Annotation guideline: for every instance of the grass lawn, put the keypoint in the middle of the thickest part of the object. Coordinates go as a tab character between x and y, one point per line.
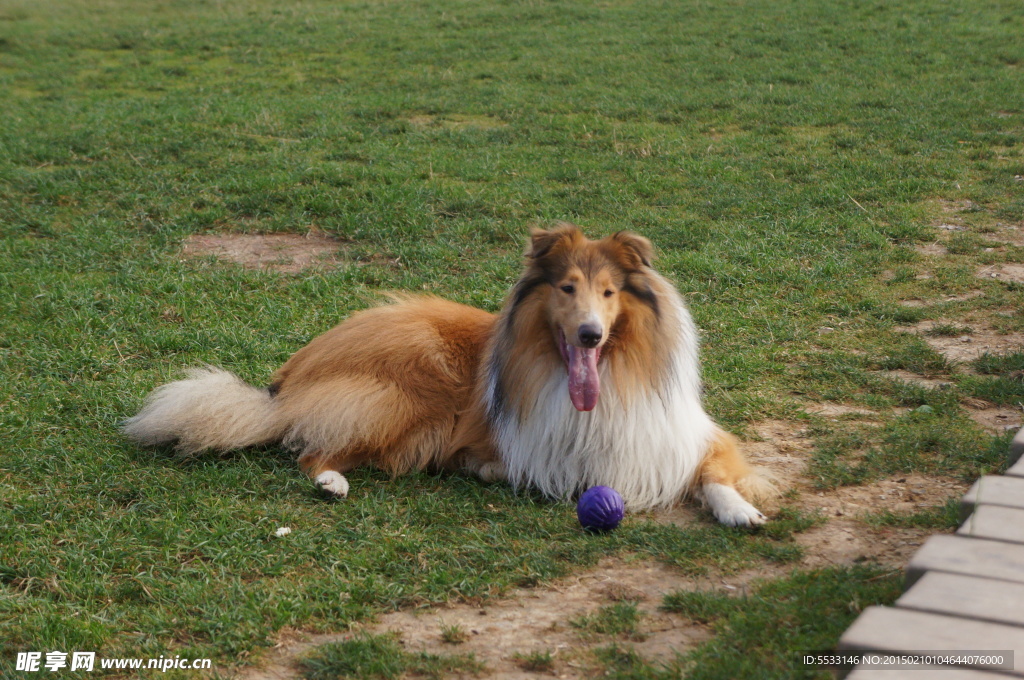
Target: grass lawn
792	160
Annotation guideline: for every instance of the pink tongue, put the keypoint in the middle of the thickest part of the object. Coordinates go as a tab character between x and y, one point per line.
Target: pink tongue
584	381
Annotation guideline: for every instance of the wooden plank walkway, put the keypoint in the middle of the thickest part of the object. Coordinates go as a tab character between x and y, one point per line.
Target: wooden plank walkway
965	592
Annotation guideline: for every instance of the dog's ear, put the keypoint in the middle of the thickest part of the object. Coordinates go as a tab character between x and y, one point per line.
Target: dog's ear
636	249
543	240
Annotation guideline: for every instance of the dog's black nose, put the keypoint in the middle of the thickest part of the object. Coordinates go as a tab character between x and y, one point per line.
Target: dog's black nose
589	335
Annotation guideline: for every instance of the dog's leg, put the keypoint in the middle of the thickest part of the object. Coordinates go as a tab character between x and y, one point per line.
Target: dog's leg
333	483
471	450
326	471
488	471
722	471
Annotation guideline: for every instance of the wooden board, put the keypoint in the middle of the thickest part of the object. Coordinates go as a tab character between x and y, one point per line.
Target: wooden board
965	592
969	556
887	629
995	522
967	597
1016	454
993	490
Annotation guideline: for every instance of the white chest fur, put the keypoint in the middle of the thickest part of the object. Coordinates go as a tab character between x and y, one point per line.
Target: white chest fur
648	450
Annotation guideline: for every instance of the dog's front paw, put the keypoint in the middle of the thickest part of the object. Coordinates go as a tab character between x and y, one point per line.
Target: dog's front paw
333	483
730	508
492	472
742	514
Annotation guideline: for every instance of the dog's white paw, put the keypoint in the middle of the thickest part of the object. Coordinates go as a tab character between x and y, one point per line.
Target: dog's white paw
745	515
730	508
333	483
492	472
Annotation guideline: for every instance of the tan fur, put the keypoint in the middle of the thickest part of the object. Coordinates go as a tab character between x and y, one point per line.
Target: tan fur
725	464
533	352
636	349
388	387
401	386
631	342
594	296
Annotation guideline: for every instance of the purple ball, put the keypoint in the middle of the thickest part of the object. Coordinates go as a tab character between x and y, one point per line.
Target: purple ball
600	508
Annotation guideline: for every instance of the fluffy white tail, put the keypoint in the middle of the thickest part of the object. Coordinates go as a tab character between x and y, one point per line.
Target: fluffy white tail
209	409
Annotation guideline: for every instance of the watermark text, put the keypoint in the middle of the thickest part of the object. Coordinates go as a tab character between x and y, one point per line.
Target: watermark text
54	662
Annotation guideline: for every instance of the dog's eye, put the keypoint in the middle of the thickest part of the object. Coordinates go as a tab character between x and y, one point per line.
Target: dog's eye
569	288
609	293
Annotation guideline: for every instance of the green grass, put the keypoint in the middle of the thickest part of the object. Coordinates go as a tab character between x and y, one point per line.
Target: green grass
948	330
541	661
1002	379
996	364
620	619
381	657
761	635
931	443
454	634
784	157
1002	390
945	516
622	662
915	355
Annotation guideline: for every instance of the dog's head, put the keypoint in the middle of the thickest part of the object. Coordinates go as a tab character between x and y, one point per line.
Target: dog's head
588	288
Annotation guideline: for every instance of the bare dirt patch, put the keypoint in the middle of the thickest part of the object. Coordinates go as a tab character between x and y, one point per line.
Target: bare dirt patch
288	253
963	348
949	218
919	302
915	379
969	345
781	451
533	620
956	206
835	411
931	249
1003	272
845	540
998	420
1009	234
537	620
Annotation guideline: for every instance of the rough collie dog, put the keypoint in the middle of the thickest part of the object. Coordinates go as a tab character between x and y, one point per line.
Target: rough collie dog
589	375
